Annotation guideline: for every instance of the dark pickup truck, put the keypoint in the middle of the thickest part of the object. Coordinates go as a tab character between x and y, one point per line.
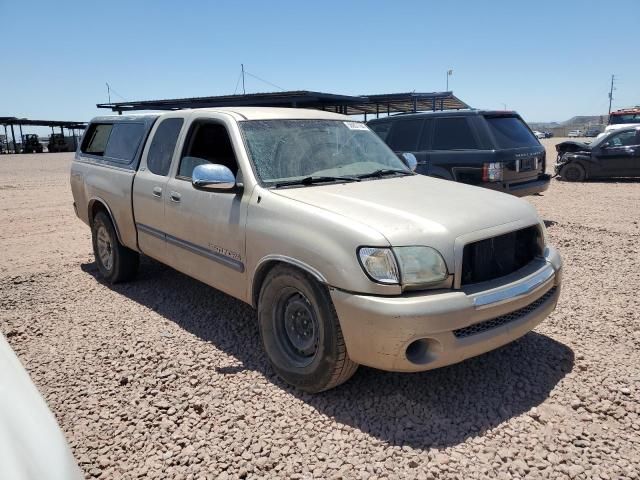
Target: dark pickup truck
492	149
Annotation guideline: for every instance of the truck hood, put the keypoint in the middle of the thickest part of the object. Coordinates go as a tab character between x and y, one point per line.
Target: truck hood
418	210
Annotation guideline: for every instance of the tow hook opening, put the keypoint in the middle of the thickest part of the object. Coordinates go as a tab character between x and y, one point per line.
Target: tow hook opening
423	350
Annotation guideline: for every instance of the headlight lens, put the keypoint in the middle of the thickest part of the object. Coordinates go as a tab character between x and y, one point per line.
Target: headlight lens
406	265
420	265
380	264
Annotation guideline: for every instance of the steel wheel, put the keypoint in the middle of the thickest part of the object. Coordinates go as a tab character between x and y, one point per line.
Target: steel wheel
105	248
297	327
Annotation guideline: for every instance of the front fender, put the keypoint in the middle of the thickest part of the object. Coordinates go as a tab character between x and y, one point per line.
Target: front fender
572	158
318	241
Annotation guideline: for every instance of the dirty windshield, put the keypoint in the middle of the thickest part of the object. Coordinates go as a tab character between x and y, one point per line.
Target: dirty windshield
286	151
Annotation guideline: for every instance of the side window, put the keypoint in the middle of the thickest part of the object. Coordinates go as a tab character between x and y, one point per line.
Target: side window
163	145
124	141
453	134
624	139
95	141
404	135
381	129
207	142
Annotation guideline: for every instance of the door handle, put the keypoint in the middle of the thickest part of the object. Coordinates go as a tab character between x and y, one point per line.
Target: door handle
157	191
175	197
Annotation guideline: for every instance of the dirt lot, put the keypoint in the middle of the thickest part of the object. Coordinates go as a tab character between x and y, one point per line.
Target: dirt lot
165	377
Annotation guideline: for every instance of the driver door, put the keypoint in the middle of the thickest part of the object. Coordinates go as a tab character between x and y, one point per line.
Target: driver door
205	229
616	157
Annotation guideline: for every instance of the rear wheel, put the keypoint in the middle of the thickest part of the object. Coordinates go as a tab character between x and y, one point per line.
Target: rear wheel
573	172
116	262
301	332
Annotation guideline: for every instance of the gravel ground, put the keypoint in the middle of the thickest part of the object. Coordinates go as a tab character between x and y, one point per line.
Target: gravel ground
166	378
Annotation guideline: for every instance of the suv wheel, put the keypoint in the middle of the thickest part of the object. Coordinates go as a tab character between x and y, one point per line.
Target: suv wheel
301	332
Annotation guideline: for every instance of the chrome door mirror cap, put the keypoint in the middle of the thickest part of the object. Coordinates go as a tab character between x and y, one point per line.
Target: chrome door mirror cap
410	160
211	176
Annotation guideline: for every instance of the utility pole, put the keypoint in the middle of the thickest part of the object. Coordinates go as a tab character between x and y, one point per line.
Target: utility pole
108	92
243	90
613	77
449	73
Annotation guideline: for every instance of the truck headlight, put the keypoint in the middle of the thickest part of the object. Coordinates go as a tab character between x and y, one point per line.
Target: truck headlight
408	266
379	264
420	265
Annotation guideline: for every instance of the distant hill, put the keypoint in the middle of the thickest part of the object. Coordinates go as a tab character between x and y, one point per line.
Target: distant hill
579	122
586	120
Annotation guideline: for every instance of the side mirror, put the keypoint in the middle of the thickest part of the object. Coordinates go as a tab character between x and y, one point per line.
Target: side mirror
211	176
410	160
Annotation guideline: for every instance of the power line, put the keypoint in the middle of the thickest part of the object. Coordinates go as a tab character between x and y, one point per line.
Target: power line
110	90
237	83
264	81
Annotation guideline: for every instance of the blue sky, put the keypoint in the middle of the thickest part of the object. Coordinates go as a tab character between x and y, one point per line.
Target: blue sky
549	60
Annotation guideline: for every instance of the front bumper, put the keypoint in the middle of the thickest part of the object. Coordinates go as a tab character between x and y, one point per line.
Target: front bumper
422	331
522	189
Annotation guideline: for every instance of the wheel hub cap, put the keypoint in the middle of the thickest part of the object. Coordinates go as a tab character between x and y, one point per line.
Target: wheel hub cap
105	248
300	325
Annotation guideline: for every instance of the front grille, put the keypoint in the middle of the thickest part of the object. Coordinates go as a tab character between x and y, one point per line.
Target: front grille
499	256
503	319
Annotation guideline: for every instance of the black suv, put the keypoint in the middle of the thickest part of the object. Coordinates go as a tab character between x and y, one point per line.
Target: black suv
493	149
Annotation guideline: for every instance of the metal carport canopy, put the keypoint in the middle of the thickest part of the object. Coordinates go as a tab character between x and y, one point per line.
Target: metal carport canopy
346	104
42	123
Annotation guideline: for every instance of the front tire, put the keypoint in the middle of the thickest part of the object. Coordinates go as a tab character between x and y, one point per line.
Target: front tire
301	332
115	262
573	172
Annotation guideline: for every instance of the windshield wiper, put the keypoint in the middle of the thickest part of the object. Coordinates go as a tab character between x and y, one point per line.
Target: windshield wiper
383	172
316	179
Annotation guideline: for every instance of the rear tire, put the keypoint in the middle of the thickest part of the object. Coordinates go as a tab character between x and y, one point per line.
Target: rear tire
115	262
301	332
573	172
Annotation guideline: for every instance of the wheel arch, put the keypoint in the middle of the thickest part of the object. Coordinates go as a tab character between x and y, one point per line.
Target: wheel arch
96	205
583	163
268	263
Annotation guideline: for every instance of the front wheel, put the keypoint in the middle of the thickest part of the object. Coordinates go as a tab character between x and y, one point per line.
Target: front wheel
116	262
301	332
573	172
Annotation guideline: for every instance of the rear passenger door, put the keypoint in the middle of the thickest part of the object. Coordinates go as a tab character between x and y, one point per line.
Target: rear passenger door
454	146
150	188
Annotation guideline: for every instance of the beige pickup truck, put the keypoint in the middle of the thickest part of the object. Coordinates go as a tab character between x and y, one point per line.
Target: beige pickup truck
348	256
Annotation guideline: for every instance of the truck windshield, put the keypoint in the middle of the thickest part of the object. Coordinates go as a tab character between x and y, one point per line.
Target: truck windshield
511	132
284	151
624	118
